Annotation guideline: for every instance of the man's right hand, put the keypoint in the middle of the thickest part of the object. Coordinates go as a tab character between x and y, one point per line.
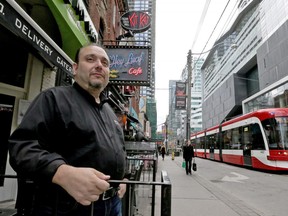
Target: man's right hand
85	185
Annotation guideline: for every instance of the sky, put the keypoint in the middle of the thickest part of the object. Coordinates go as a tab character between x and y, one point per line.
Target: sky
176	25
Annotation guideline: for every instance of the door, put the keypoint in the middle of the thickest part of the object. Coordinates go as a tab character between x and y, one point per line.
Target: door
6	115
247	145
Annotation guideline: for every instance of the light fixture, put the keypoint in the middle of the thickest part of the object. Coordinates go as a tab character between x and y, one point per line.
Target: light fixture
126	35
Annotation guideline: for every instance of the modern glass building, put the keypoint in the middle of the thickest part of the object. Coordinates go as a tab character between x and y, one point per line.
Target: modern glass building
196	95
247	70
174	118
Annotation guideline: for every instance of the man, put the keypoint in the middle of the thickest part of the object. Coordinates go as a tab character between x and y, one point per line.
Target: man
163	151
188	154
70	144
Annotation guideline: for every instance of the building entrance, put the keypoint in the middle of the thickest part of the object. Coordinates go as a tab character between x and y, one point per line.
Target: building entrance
6	115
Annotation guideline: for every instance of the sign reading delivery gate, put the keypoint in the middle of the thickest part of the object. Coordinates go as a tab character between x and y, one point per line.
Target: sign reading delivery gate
15	22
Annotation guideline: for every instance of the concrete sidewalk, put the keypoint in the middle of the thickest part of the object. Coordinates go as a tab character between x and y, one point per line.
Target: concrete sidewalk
196	196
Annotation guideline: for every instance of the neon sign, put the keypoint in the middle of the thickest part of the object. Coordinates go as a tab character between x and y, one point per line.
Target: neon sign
129	65
136	21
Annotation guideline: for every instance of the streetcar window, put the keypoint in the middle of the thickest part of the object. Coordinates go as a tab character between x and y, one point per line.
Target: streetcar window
247	141
281	131
202	143
256	137
276	132
226	139
236	138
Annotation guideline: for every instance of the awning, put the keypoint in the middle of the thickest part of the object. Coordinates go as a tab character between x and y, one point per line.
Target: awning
72	34
76	30
133	113
14	18
132	120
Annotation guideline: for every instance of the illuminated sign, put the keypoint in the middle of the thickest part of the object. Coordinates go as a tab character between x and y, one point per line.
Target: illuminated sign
135	21
130	65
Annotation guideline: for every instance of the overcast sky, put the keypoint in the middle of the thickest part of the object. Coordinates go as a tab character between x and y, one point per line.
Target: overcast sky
176	25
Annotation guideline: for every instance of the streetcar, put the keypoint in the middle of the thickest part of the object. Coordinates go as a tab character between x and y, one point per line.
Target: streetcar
258	139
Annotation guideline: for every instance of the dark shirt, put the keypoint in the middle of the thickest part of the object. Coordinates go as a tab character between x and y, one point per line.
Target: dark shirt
66	125
163	150
188	152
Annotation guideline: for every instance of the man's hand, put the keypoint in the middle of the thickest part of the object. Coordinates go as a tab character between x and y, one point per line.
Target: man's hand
84	184
122	190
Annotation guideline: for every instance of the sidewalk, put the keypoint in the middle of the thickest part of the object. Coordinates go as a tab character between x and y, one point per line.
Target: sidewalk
193	195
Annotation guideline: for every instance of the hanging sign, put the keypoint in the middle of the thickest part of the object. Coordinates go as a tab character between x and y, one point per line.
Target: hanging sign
135	21
180	96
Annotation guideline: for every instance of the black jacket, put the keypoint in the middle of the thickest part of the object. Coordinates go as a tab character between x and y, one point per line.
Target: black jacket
188	152
66	125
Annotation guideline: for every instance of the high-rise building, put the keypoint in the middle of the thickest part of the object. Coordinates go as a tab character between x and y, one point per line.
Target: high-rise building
147	38
247	68
174	118
196	95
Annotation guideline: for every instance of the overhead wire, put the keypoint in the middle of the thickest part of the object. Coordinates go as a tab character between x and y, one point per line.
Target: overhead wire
200	24
206	6
215	26
229	19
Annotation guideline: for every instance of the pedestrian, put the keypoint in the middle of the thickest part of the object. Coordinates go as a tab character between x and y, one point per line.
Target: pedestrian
70	143
188	154
163	151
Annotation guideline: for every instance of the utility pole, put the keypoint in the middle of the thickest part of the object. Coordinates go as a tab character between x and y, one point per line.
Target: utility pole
188	110
166	137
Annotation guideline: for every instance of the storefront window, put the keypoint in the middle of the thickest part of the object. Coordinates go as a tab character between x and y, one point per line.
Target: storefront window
277	97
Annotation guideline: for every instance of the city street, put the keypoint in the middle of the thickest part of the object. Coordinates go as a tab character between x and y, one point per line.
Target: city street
223	189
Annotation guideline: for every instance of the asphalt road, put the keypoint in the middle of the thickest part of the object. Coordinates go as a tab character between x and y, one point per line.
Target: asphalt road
266	192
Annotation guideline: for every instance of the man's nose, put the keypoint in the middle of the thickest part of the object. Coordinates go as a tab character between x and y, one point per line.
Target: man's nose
98	63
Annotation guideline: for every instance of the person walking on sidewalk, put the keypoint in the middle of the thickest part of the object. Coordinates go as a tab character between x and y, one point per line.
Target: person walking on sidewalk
188	154
70	144
163	151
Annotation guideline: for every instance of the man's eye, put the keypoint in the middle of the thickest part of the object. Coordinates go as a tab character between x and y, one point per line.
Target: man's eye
90	59
105	63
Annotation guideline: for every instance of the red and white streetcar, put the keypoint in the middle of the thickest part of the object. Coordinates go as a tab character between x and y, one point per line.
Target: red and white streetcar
258	139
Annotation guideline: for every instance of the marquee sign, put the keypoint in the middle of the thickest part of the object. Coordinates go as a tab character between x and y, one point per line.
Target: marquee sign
130	65
135	21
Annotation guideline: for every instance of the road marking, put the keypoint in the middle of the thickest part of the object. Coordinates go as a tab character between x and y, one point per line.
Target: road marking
236	178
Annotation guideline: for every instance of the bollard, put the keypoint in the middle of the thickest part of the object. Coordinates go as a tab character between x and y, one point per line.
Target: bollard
172	155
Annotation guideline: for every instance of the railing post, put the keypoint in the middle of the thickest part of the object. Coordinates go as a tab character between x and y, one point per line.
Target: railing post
153	187
166	192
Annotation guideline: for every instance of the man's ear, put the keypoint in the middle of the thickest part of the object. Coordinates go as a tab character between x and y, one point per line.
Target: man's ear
75	68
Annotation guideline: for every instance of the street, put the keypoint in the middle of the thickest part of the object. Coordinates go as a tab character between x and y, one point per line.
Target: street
265	192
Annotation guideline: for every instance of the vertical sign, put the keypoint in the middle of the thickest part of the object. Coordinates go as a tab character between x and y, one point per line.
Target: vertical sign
180	96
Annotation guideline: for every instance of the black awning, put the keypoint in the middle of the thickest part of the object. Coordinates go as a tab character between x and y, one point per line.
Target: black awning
132	119
15	19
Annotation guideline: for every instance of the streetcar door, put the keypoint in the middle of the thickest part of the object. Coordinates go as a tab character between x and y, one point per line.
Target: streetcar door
247	161
247	145
211	145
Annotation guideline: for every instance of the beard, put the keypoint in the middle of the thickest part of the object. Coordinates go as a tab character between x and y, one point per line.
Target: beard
95	85
98	84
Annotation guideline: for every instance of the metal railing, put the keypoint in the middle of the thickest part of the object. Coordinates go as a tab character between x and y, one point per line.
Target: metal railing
165	199
129	198
143	163
140	197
